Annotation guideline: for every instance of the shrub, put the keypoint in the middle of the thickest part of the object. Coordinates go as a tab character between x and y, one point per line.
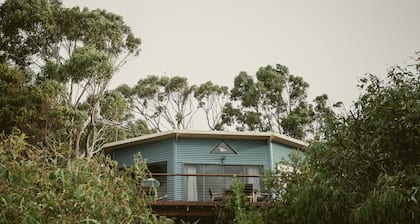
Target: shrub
38	185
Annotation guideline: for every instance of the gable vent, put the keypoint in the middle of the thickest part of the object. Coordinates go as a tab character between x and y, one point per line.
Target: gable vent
223	148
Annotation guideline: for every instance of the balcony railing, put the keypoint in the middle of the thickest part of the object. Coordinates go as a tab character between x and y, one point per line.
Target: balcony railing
203	175
210	186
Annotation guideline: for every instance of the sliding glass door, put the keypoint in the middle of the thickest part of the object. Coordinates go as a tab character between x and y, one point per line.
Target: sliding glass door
197	188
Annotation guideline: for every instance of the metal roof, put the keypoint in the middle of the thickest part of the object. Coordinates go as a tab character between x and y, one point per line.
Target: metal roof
269	136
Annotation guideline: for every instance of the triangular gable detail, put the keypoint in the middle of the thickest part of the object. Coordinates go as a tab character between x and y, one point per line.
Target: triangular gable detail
223	148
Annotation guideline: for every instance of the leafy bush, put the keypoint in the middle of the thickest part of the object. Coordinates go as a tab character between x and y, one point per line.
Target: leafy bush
237	208
39	185
367	168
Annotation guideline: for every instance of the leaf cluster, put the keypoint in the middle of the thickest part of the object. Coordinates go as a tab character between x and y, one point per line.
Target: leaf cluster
39	186
276	101
366	170
36	108
67	57
237	208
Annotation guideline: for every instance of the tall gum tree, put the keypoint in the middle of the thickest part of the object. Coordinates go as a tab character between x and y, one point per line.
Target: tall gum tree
79	48
275	101
165	102
212	99
365	169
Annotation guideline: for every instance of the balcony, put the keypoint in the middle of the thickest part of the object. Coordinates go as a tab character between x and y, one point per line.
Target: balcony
210	200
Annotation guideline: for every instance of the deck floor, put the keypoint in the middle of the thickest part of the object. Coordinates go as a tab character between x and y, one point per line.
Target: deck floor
185	208
190	208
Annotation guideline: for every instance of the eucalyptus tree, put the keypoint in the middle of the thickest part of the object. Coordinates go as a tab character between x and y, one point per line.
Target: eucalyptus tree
212	99
33	108
165	102
366	168
79	48
275	101
116	112
244	111
323	116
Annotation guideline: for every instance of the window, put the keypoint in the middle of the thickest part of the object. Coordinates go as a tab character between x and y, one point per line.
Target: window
160	167
196	188
223	148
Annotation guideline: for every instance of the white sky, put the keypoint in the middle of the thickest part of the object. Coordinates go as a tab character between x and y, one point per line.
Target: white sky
330	43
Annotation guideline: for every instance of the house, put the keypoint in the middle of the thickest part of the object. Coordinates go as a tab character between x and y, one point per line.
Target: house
192	165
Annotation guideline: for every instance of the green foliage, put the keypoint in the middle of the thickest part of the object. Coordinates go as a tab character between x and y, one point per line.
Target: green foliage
116	113
25	27
37	186
323	116
39	28
212	98
164	102
276	181
366	168
297	121
237	208
306	198
395	199
75	51
35	108
114	106
87	63
137	128
381	136
195	222
276	101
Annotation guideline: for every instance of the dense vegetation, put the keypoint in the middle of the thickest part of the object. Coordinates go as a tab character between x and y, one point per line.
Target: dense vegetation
37	185
366	169
56	112
56	64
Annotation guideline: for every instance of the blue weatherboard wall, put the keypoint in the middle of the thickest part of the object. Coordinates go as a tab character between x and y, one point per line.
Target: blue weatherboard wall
280	152
198	151
152	152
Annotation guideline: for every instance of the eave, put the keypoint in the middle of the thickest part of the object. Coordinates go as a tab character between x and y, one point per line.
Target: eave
268	136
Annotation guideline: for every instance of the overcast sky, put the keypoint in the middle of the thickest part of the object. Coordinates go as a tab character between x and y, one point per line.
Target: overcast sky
331	44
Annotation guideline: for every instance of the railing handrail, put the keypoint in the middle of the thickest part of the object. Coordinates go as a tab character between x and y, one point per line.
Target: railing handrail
203	175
